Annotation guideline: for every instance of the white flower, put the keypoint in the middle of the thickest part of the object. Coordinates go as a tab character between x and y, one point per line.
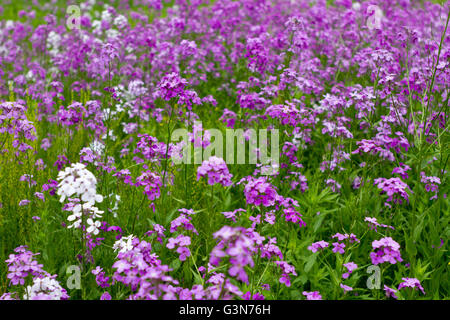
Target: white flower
112	34
53	43
97	147
45	288
356	6
30	75
87	5
116	204
120	21
111	135
93	226
124	244
77	180
97	27
89	211
106	16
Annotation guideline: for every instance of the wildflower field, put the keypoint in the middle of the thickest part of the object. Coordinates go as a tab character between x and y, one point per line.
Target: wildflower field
218	149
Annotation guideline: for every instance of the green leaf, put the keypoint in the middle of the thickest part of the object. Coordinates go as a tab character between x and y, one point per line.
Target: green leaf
319	221
410	246
175	264
310	261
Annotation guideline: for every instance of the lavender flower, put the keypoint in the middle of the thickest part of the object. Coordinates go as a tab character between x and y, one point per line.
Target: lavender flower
386	250
316	246
314	295
216	170
411	283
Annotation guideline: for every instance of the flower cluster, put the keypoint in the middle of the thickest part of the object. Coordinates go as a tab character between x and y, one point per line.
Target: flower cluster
394	188
77	181
235	245
24	269
216	170
411	283
374	224
286	270
316	246
386	250
183	221
181	242
152	184
431	184
314	295
45	289
14	122
350	266
258	191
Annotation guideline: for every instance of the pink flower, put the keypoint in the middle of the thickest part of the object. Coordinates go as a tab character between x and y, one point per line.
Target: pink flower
338	247
216	170
390	292
314	247
345	287
314	295
386	250
259	191
24	202
411	283
351	266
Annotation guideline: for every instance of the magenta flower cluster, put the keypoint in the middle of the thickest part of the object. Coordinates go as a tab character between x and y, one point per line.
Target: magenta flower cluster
385	250
216	170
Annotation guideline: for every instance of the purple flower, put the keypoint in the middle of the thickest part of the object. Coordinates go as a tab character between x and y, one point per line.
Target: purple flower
287	269
393	187
373	224
170	86
105	296
40	195
256	296
402	170
24	202
235	245
259	191
232	214
181	242
411	283
431	184
334	185
159	230
228	117
152	184
340	237
386	250
351	266
338	247
22	265
390	292
356	183
100	277
182	221
314	295
293	216
216	170
345	287
314	247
